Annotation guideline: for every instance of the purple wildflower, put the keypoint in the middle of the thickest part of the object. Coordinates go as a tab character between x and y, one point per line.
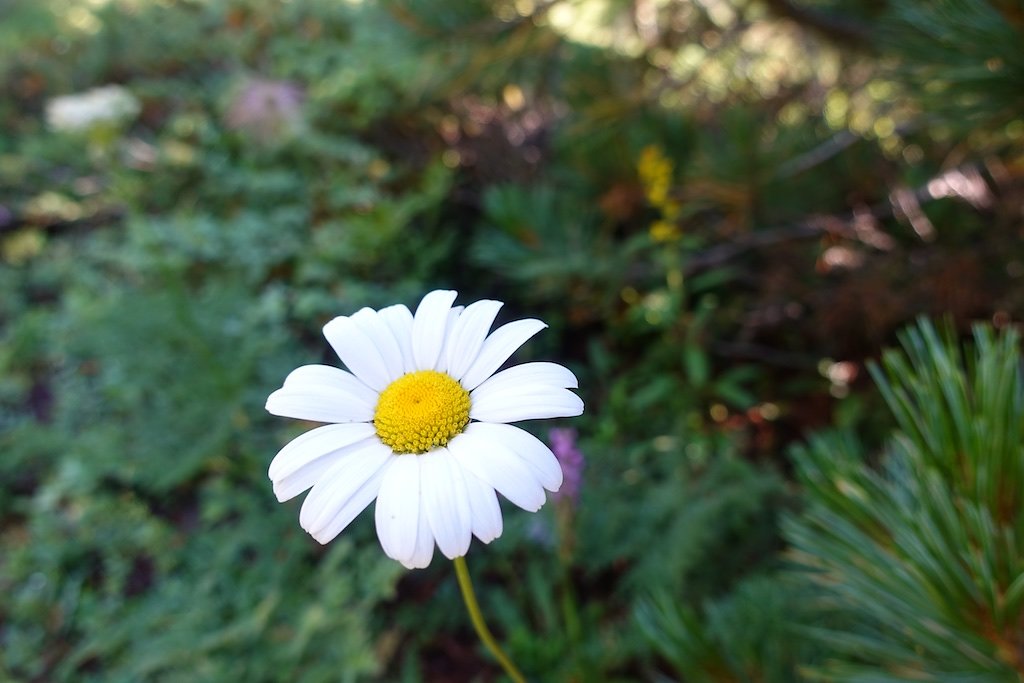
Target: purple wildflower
268	110
563	445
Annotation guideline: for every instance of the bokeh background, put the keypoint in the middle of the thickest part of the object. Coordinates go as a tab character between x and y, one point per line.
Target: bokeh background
722	208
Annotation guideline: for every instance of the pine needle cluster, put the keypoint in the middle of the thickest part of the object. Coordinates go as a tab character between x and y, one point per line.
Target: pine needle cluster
919	562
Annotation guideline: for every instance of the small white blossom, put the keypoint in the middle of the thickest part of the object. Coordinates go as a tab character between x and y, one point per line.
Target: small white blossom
80	112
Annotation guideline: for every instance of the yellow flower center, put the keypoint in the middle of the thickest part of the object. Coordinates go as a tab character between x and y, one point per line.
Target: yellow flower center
421	411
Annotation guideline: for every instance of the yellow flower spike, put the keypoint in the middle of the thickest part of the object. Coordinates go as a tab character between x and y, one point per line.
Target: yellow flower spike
655	171
663	231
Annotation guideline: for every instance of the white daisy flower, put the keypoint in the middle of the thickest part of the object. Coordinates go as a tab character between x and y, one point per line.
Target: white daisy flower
420	423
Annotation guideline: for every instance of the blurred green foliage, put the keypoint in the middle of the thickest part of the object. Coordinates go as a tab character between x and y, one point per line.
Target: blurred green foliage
722	209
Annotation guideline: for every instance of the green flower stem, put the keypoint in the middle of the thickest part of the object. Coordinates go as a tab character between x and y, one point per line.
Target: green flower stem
466	586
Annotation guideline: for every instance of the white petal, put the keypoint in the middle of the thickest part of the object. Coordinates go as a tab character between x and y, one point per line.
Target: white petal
445	502
294	484
398	508
344	491
358	352
424	550
467	335
497	466
529	448
319	403
298	465
379	332
484	508
328	376
497	348
399	319
550	374
429	326
530	402
442	357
